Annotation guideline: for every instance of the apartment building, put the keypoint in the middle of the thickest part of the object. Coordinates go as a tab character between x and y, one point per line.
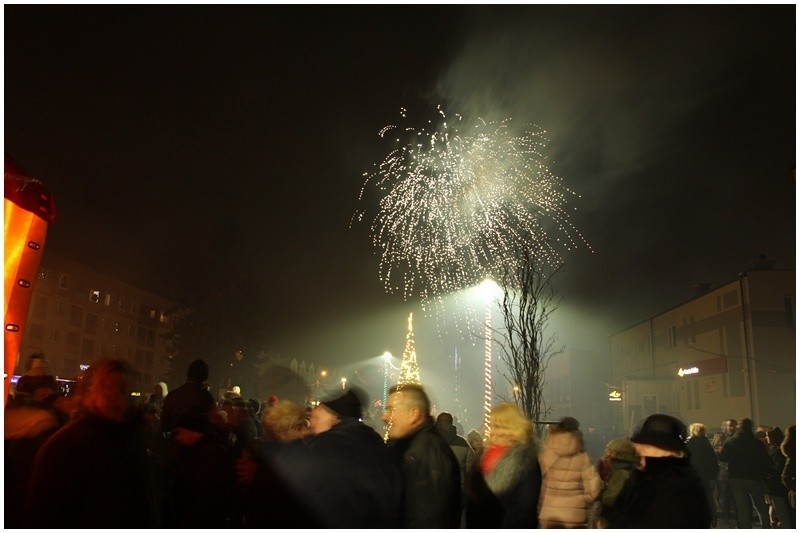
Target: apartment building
729	352
77	313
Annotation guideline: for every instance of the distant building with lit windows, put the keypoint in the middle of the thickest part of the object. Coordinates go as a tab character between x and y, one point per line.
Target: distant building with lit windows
77	313
729	352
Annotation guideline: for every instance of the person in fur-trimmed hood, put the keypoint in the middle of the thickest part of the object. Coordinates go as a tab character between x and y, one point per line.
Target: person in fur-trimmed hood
503	487
570	481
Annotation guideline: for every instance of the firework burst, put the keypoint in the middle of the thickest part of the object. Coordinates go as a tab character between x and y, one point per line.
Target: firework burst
456	206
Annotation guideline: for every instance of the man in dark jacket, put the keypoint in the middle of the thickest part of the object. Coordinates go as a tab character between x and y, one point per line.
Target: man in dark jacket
461	449
432	482
192	396
748	466
344	475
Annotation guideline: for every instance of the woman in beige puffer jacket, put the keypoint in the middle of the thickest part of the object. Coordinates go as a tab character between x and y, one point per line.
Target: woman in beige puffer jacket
570	481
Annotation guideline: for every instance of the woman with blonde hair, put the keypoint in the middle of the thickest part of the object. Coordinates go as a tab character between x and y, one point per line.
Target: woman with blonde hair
503	487
570	482
284	422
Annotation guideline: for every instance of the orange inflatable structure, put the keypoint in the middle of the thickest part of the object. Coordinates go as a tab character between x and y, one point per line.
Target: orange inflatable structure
28	208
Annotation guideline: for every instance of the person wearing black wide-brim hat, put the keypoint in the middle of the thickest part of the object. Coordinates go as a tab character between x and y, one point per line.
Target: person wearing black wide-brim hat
664	491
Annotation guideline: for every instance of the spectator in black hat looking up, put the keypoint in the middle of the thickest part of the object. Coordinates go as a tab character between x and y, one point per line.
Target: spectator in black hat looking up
664	491
343	474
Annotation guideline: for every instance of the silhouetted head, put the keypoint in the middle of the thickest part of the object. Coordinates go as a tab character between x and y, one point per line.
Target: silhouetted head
197	371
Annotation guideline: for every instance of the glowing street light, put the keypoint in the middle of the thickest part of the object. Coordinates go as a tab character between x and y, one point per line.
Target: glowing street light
344	383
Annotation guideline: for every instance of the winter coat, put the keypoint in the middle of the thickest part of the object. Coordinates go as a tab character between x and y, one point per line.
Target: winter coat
620	472
702	458
432	483
95	473
746	456
773	484
191	396
345	477
26	429
508	495
461	448
203	486
668	494
570	481
788	474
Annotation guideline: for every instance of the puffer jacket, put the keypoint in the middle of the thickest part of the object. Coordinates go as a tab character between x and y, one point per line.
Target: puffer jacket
570	481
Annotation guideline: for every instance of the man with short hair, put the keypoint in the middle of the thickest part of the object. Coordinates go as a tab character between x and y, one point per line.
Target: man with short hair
748	464
191	396
432	481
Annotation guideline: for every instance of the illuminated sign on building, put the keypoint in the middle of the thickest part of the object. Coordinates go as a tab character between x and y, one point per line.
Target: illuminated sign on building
615	395
706	367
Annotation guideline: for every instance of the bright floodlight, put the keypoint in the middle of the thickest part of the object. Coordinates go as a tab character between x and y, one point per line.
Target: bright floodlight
489	288
387	356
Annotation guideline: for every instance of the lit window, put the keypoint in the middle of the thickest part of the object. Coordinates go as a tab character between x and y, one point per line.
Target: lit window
94	296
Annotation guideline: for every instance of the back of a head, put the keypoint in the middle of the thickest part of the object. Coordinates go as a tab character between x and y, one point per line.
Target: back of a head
775	436
445	419
697	429
744	425
622	449
474	438
108	384
568	423
508	418
197	371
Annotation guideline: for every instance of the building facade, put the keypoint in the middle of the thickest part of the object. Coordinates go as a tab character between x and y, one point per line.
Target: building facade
726	353
77	314
576	385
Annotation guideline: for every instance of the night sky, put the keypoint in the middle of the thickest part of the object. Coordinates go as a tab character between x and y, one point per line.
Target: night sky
151	124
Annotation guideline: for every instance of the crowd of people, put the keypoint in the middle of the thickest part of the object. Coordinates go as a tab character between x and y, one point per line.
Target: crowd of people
183	459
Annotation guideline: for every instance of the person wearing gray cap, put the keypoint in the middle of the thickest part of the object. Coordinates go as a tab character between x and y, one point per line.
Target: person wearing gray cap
664	491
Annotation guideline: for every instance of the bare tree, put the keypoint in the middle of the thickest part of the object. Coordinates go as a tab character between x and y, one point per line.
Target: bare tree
525	347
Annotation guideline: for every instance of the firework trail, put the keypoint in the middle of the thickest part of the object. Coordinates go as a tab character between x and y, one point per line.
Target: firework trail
456	206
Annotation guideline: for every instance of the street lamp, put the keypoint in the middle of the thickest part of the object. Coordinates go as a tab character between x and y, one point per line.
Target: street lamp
344	382
515	389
